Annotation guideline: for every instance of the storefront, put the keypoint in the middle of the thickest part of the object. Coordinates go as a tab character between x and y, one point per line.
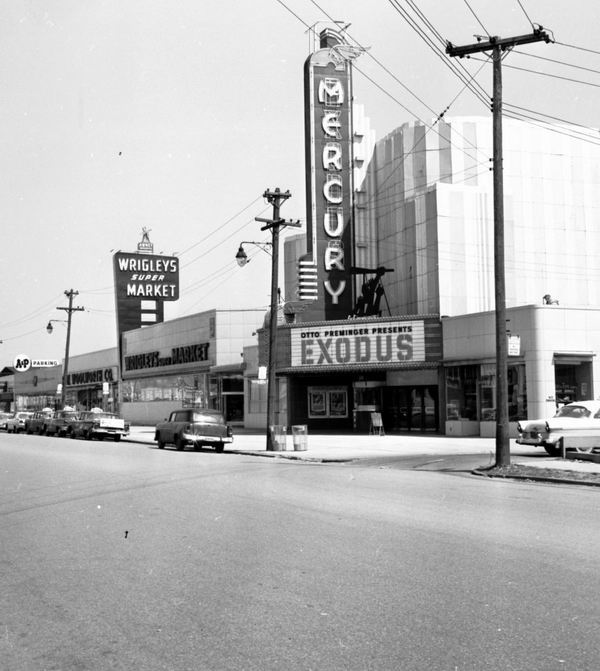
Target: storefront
552	359
192	361
93	380
339	373
37	388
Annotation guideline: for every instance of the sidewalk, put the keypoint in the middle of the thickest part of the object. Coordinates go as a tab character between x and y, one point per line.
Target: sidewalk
328	448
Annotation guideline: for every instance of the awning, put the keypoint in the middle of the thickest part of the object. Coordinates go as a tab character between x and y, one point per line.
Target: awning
357	368
572	358
237	368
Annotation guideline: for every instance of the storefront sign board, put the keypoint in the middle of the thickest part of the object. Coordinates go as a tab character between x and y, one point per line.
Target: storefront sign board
381	342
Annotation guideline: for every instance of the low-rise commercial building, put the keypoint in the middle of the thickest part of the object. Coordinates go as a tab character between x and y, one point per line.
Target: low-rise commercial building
191	361
553	359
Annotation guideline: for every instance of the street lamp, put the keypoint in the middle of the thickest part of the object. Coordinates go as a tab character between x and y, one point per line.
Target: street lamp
242	258
49	328
275	198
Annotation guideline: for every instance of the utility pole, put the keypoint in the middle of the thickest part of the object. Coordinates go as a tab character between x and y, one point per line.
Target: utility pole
497	46
275	198
69	310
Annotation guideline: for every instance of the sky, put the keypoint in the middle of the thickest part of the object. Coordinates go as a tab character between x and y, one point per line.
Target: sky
177	116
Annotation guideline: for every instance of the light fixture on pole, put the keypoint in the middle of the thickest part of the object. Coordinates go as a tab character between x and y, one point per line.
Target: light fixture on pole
50	328
242	258
275	198
69	310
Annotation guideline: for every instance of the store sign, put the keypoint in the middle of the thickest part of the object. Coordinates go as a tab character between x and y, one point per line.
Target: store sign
143	283
91	377
178	355
146	276
358	345
324	272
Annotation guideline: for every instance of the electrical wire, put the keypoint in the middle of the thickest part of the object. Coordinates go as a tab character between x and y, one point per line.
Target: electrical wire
485	30
546	74
237	214
526	15
592	131
573	46
552	60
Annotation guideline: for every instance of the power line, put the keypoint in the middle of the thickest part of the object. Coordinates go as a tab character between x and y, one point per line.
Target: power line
485	30
561	120
526	15
573	46
237	214
552	60
237	230
546	74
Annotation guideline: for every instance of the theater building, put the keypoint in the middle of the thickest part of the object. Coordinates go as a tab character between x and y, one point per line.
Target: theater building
340	372
410	239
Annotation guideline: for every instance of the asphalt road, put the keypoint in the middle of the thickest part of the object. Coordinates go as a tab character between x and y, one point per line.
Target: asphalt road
121	556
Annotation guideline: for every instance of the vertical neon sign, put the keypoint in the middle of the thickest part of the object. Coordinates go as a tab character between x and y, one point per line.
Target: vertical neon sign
324	272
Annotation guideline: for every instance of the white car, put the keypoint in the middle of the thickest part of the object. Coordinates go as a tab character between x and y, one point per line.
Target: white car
578	418
16	423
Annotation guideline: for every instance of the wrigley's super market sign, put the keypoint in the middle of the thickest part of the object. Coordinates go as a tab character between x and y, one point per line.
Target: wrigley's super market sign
344	344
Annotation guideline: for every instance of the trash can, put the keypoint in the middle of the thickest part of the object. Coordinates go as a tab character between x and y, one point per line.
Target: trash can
300	437
278	437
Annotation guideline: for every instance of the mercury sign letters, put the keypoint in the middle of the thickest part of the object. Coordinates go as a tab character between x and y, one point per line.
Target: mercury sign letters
325	278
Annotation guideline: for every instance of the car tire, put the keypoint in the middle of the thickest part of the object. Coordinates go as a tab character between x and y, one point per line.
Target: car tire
554	450
116	438
220	447
179	444
161	444
88	435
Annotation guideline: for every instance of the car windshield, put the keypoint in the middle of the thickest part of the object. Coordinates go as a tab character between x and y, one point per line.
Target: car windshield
207	418
101	415
575	411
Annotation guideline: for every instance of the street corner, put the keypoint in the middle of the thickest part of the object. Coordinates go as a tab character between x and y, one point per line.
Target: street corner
547	472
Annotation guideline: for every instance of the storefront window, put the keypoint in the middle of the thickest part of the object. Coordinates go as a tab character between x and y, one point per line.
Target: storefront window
232	383
461	392
257	396
190	390
471	392
326	402
487	393
517	392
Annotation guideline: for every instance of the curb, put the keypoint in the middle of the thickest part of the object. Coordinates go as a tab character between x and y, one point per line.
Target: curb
293	457
536	478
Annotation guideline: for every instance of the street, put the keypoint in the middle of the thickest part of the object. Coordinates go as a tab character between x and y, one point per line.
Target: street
123	556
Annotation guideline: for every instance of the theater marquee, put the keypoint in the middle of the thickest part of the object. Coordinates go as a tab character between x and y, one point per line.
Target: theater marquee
364	344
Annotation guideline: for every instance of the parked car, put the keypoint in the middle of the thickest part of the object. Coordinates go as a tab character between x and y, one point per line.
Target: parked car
60	424
16	423
99	424
38	422
194	427
3	417
576	416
